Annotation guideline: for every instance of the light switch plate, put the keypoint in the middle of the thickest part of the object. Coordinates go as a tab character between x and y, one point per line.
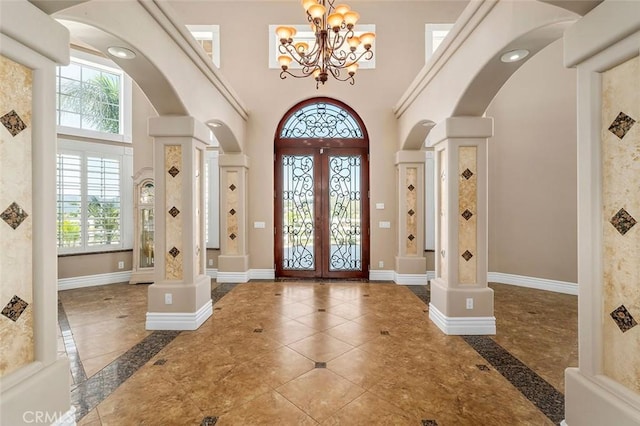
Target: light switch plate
379	206
258	225
384	224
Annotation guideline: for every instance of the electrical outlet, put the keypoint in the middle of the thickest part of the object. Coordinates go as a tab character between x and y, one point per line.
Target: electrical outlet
121	265
210	262
469	303
381	264
168	299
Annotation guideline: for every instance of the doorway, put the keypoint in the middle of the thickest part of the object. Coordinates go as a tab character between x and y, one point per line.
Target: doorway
321	192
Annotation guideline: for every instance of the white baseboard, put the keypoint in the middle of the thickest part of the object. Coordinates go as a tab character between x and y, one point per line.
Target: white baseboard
66	419
563	423
94	280
212	272
431	275
532	282
410	279
459	326
262	274
232	277
179	320
381	275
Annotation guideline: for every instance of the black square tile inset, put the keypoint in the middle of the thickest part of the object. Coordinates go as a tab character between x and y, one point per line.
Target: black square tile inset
233	236
232	187
429	423
278	294
174	252
411	187
232	212
411	212
160	362
257	330
209	421
217	309
623	318
12	122
622	221
174	211
483	367
467	174
467	214
122	316
173	171
621	125
322	310
14	308
321	365
14	215
384	332
365	295
467	255
411	237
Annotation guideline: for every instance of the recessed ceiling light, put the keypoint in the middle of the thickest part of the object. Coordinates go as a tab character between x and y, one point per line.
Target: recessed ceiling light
514	55
121	52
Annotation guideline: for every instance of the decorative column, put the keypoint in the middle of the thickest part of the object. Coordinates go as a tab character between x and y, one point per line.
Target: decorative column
411	265
461	301
605	388
233	262
180	297
35	385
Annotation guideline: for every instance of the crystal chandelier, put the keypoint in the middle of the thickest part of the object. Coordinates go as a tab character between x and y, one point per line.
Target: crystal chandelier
334	49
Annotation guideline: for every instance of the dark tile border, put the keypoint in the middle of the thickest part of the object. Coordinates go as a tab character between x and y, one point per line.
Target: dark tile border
537	390
75	364
422	292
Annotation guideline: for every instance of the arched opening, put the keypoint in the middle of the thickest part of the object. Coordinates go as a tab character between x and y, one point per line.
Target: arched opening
321	192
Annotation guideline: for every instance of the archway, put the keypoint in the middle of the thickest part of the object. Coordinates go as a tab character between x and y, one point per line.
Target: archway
321	192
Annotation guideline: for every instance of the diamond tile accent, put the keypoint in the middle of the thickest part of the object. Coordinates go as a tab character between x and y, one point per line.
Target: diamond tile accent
14	215
467	214
160	362
622	221
621	125
233	236
173	171
467	174
209	421
14	308
174	252
384	332
467	255
429	423
411	212
321	365
622	317
257	330
174	211
411	187
232	187
411	237
483	367
232	212
13	122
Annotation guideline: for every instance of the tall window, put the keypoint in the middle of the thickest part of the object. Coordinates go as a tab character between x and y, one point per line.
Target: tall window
90	198
93	99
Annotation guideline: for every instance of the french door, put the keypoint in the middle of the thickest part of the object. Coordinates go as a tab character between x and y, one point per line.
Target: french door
322	212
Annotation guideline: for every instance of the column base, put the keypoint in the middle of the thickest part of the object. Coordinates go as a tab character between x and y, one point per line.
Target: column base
233	269
42	397
190	305
410	270
462	310
589	403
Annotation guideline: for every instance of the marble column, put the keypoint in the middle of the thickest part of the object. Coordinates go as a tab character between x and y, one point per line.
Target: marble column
411	265
35	382
233	262
461	301
180	297
605	388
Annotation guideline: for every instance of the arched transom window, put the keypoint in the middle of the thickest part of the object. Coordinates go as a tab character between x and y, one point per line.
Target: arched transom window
321	120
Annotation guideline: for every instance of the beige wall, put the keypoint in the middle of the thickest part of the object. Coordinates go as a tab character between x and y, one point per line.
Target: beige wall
244	65
532	171
142	142
92	264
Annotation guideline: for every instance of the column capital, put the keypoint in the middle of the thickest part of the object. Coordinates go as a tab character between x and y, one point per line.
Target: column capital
460	127
233	160
179	126
410	156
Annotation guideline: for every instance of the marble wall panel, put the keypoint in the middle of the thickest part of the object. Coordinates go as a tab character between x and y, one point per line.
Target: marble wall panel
16	212
233	193
411	209
442	202
467	217
621	214
174	222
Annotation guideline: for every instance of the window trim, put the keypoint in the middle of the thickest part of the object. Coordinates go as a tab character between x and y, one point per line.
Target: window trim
215	39
125	156
429	30
126	125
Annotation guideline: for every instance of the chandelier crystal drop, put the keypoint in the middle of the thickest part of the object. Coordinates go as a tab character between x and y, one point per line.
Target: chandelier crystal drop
334	49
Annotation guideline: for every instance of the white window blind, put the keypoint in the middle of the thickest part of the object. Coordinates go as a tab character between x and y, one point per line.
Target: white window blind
103	201
69	206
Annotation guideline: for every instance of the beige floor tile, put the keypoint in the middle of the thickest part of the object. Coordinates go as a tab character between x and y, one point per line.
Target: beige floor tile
320	347
368	410
268	409
321	320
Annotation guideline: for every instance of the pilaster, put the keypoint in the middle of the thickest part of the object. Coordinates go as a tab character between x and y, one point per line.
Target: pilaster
180	297
233	262
461	301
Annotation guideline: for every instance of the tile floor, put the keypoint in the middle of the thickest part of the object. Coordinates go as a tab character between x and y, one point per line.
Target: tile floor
298	353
